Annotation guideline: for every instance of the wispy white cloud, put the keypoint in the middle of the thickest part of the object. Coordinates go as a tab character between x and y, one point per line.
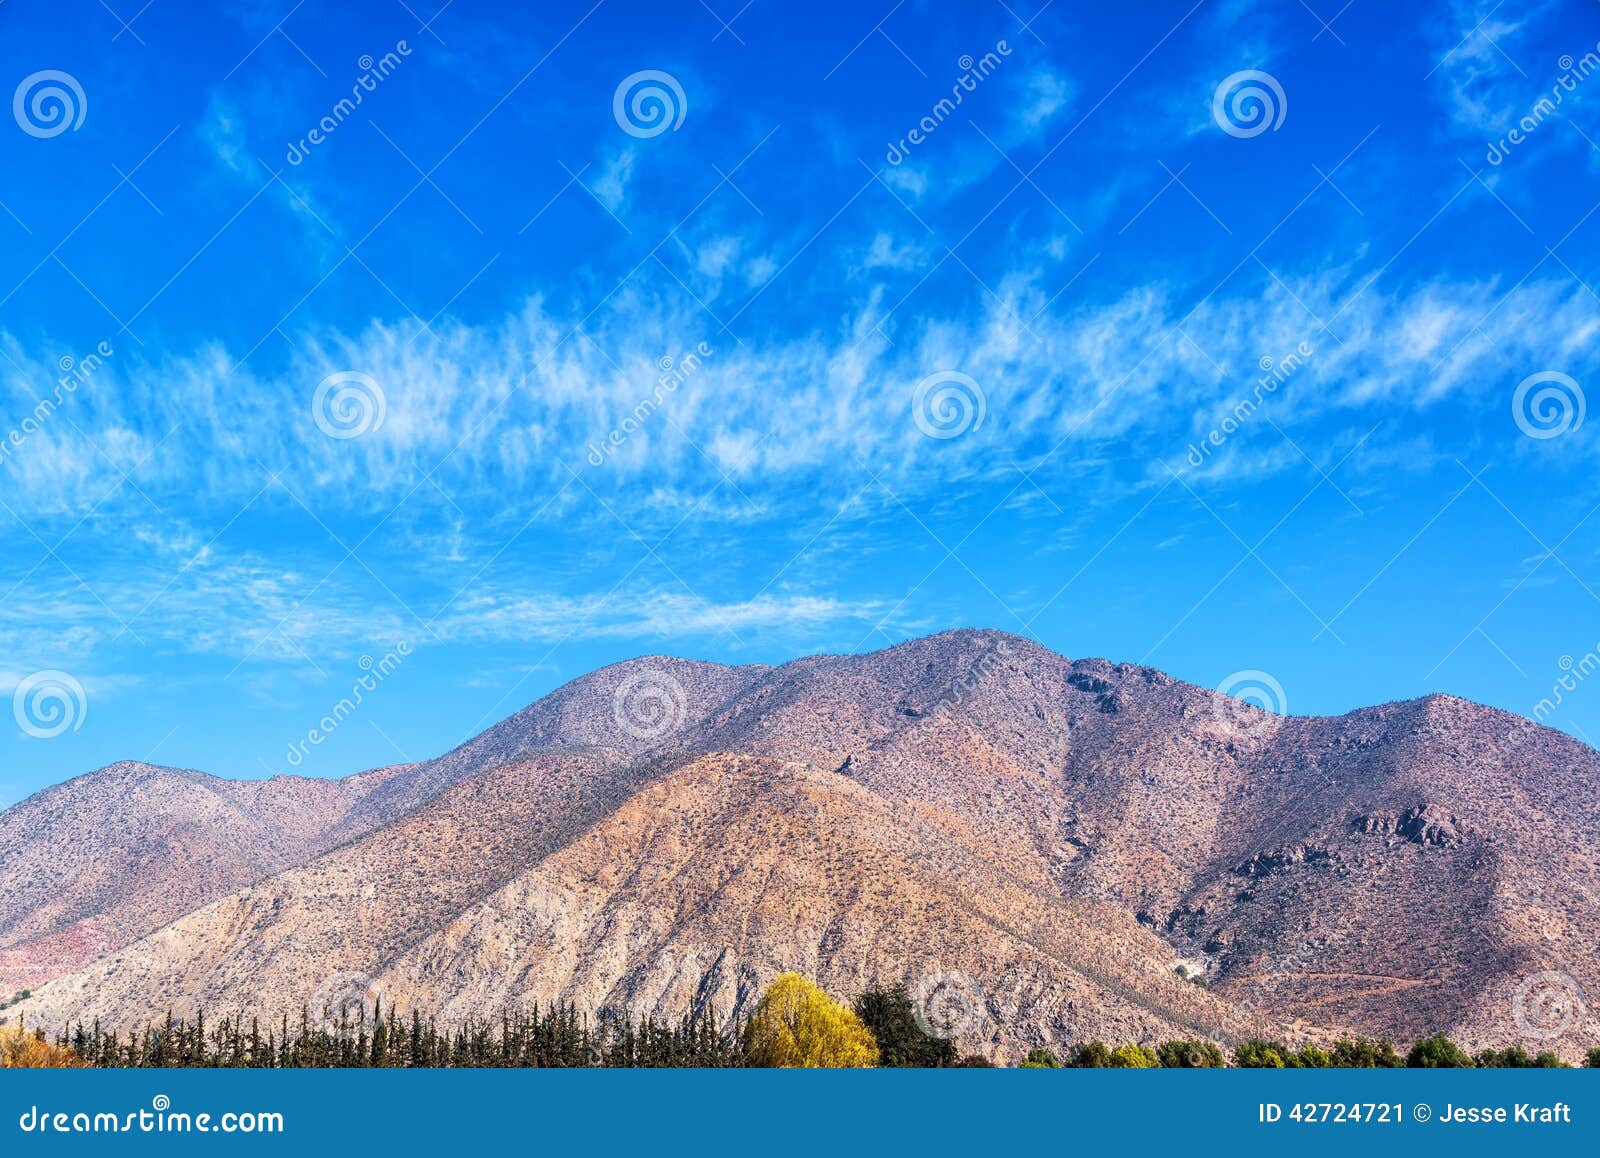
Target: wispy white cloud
483	411
611	186
1478	77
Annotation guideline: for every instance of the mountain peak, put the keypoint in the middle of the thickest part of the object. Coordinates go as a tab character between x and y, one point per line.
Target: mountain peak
667	831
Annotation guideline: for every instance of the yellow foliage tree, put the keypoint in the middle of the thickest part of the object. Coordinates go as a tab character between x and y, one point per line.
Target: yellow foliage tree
797	1024
22	1050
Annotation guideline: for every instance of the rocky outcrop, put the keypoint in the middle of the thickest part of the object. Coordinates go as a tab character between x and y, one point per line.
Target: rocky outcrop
1264	863
1425	824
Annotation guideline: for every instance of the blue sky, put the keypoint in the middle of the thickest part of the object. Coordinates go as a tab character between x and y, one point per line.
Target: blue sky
505	374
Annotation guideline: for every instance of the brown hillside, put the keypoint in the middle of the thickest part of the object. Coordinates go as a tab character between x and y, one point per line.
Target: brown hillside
1055	835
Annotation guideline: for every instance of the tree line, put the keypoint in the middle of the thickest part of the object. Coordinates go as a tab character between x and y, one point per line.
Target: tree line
795	1024
1437	1052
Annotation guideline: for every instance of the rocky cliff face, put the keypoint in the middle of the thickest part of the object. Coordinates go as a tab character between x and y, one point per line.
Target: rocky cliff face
969	814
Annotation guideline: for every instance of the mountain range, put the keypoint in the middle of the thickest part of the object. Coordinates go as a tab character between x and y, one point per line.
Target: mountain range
1042	850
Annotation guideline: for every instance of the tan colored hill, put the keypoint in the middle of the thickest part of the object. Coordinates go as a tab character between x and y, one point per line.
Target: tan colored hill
97	862
970	813
89	865
733	869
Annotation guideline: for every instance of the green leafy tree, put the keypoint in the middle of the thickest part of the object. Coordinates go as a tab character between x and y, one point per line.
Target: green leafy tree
1134	1057
1593	1059
1366	1053
1437	1053
901	1041
1516	1058
1039	1059
1312	1058
1091	1055
1190	1055
1257	1054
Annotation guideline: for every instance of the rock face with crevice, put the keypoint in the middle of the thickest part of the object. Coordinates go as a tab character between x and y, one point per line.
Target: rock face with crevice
965	805
1426	824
